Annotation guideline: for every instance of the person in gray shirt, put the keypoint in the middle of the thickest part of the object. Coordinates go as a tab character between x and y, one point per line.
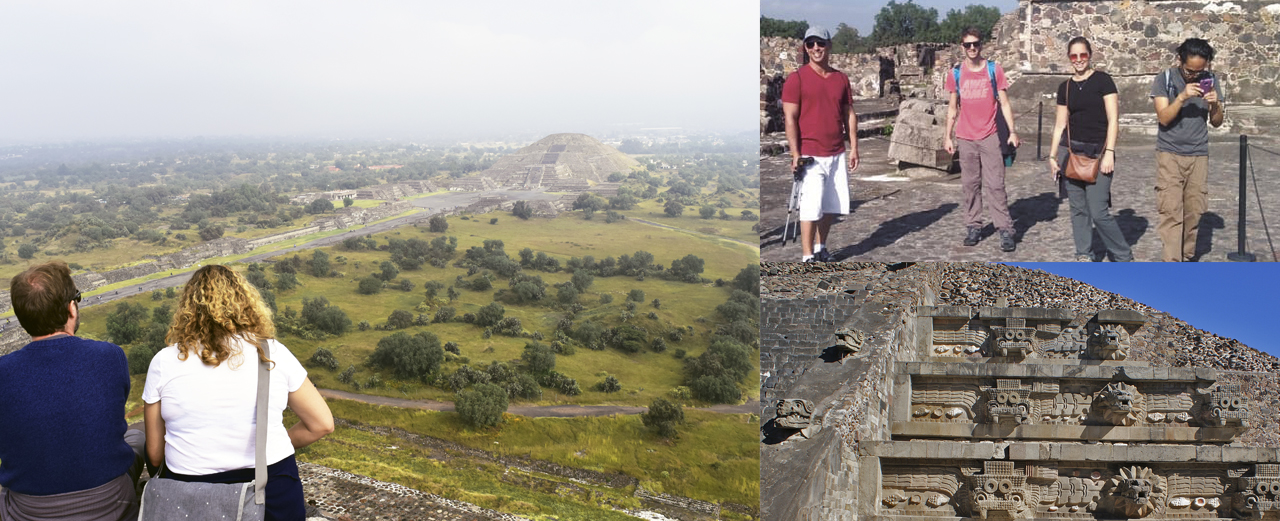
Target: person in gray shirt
1188	98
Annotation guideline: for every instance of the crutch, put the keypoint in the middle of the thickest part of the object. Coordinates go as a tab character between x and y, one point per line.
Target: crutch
793	203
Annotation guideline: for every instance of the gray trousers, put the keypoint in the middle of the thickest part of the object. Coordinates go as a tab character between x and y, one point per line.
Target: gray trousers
1091	208
115	500
982	180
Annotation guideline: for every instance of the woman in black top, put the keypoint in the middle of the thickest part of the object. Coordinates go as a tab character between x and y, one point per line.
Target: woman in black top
1092	108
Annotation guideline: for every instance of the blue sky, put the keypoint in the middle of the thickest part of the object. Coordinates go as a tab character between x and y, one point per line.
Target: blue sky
1236	300
860	15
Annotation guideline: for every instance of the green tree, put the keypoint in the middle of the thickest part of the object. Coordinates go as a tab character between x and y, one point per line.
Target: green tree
847	40
323	358
636	295
490	314
784	28
905	22
663	416
26	251
673	208
482	405
320	264
610	384
347	202
439	224
320	206
444	314
707	212
125	324
389	271
286	281
211	232
982	17
582	280
522	210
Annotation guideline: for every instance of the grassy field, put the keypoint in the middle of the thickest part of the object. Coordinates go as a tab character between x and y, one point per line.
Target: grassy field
644	376
714	458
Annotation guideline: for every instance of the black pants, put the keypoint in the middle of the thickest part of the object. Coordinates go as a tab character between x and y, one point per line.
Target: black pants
284	488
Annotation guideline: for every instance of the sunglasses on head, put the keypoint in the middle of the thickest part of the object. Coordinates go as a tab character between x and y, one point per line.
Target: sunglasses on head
971	45
1078	56
815	43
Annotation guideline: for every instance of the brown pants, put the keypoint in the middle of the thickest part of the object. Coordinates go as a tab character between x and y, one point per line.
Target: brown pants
982	180
1181	197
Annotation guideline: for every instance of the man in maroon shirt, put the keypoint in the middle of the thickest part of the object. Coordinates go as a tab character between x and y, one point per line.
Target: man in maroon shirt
818	104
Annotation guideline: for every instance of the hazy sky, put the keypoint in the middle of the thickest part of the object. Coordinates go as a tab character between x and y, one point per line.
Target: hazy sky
1235	300
89	69
860	14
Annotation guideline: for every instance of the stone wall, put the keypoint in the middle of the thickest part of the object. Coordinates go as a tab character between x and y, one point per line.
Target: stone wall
917	68
1135	40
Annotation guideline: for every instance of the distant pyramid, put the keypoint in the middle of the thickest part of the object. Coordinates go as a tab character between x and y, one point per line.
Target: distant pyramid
560	162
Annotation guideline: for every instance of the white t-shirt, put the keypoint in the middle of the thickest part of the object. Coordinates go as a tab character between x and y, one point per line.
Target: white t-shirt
210	412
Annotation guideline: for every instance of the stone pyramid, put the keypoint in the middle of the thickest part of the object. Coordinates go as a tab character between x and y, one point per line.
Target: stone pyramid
572	160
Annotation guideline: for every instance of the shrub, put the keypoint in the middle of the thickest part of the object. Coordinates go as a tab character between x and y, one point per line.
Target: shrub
444	314
125	324
369	285
324	316
522	210
606	298
409	357
405	285
323	358
525	387
636	295
509	326
482	405
490	314
658	345
628	338
663	416
493	220
452	347
538	358
400	319
157	295
610	384
707	212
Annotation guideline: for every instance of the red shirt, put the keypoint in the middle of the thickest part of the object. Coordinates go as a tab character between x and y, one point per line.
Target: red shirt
824	103
978	105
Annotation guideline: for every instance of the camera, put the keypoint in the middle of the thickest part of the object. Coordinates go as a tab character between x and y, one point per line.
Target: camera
804	162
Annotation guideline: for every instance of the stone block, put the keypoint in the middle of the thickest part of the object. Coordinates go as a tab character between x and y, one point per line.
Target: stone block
1024	451
1138	373
1206	373
1182	374
1072	452
1121	316
1028	313
1209	454
1239	454
1098	452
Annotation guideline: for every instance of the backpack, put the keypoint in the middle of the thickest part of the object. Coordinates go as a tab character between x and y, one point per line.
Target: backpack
1007	151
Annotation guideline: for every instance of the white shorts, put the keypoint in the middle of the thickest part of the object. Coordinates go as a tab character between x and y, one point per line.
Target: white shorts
825	189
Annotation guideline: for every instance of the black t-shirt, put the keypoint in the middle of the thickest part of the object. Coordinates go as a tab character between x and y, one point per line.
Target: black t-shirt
1088	114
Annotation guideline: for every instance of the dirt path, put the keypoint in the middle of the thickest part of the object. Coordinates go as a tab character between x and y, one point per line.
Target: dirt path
721	237
532	411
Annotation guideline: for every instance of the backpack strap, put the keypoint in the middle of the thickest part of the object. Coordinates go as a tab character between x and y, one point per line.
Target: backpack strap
956	72
991	74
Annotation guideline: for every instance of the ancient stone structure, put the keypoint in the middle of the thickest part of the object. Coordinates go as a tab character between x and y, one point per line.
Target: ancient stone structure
556	157
918	134
1135	40
1052	406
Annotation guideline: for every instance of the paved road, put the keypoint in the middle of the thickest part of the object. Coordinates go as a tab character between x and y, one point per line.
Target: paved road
899	218
533	411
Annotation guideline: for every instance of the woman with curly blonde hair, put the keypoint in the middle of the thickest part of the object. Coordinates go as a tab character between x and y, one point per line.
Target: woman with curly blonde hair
207	382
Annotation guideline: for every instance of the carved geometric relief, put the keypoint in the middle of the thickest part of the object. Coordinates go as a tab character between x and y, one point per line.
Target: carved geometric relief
1009	401
957	338
1258	496
926	491
943	402
1000	491
1070	343
1224	405
1195	494
1014	339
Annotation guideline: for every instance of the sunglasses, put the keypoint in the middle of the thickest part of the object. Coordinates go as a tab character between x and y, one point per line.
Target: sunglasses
1078	56
815	43
76	298
971	45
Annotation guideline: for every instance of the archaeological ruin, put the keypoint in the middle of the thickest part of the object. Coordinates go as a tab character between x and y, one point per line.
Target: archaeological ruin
556	163
1133	40
972	391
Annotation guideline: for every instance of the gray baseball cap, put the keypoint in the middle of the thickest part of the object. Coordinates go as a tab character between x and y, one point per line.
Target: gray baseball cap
817	31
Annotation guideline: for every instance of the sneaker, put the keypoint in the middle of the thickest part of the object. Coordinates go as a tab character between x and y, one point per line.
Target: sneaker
823	256
1006	241
971	239
1084	258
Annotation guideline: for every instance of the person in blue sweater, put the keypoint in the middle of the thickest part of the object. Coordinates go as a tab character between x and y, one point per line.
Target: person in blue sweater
63	447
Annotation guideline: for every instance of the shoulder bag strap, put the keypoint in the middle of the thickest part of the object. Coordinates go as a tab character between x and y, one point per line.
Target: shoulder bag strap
260	437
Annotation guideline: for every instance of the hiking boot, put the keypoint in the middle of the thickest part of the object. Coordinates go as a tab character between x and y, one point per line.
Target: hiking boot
1006	241
971	239
823	256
